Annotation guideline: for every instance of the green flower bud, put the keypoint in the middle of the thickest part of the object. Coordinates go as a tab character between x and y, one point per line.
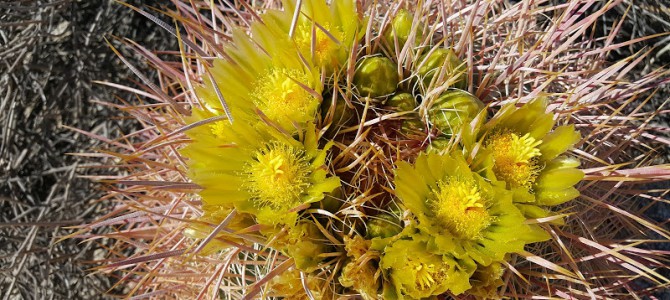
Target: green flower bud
405	102
383	226
402	102
437	145
376	76
401	27
442	58
453	109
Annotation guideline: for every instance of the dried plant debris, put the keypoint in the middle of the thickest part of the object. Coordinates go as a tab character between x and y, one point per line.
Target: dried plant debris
50	53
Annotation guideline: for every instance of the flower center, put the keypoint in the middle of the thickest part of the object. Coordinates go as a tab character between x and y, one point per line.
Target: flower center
277	176
218	129
427	275
515	158
325	48
282	99
461	208
424	276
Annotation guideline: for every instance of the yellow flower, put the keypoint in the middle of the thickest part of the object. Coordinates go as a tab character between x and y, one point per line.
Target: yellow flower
279	95
324	34
417	273
515	158
322	44
521	149
464	214
459	205
260	171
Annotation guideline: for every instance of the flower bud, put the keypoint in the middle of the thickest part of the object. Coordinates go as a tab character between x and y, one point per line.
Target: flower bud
401	28
438	145
331	202
376	76
432	64
453	109
402	102
383	226
405	102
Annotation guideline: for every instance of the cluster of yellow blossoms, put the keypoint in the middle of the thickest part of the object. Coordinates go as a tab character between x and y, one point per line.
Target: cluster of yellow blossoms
298	88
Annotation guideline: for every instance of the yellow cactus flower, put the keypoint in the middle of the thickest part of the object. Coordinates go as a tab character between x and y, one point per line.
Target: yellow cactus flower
260	171
282	99
522	150
461	207
464	214
324	34
322	44
264	73
417	273
515	158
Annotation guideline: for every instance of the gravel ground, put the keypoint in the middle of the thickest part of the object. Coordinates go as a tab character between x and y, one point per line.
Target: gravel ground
50	51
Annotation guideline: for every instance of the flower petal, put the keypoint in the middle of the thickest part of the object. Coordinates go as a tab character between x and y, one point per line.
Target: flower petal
558	141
